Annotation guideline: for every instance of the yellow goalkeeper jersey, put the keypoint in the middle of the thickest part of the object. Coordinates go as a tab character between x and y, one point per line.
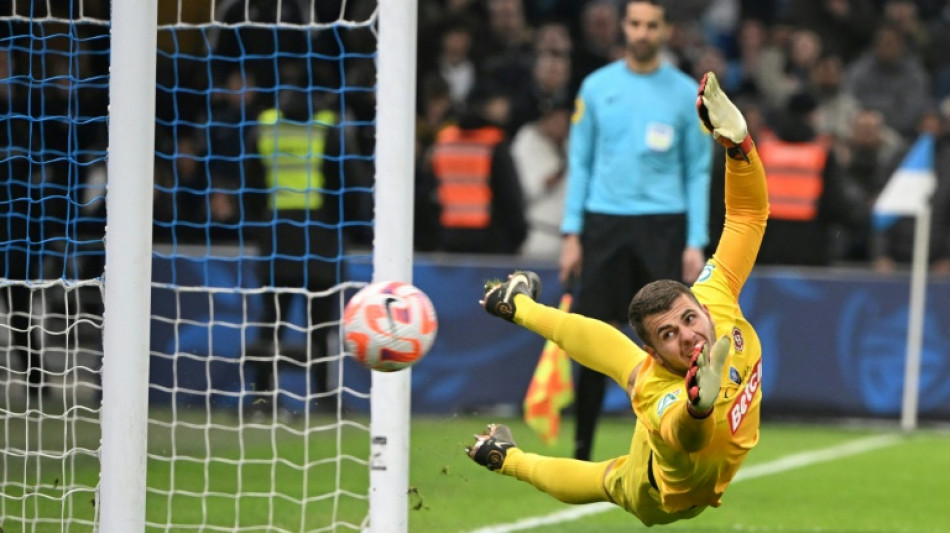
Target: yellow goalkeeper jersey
658	481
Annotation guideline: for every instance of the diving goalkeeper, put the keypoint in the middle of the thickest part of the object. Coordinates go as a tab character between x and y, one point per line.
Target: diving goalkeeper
695	384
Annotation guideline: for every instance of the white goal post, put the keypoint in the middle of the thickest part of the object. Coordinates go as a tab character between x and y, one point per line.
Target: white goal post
392	260
183	438
123	489
127	274
128	270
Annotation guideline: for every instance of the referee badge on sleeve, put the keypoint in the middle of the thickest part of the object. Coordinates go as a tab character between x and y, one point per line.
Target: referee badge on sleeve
578	110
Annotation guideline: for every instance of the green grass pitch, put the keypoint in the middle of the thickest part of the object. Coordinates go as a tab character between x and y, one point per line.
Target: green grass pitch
225	476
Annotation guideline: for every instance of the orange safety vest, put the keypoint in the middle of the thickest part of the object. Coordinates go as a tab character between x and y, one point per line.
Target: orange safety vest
793	172
461	161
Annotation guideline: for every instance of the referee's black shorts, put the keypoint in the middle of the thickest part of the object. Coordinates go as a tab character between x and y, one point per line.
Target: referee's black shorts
622	254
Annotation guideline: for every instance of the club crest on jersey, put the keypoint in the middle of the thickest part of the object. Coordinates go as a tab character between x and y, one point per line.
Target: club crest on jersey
734	376
666	401
706	273
737	339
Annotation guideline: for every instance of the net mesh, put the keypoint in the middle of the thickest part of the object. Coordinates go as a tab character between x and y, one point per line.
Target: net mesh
264	110
262	204
53	94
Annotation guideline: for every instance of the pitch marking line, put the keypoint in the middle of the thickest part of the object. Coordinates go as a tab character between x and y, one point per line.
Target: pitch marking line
790	462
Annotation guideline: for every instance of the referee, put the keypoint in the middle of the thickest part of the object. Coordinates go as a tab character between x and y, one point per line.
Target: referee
637	201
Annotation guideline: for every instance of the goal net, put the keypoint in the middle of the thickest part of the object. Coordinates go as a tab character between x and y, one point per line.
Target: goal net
53	96
263	169
263	203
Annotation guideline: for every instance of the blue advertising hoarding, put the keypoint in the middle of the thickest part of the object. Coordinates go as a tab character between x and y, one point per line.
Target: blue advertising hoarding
834	341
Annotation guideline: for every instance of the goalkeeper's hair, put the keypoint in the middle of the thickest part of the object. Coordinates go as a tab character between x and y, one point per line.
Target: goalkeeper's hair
655	297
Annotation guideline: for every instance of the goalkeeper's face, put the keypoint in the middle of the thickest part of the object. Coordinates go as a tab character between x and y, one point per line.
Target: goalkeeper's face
673	333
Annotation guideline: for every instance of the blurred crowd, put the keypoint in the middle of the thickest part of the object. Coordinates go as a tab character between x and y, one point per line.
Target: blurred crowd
863	78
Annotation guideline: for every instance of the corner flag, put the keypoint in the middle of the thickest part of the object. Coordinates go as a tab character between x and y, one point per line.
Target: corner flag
910	187
551	388
908	193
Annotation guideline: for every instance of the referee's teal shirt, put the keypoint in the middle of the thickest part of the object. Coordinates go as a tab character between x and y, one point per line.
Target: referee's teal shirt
636	148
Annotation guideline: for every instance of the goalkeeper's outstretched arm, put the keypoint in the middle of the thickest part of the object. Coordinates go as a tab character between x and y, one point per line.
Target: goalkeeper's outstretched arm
747	207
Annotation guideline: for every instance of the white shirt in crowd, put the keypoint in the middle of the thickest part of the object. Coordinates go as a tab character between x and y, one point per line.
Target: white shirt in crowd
541	165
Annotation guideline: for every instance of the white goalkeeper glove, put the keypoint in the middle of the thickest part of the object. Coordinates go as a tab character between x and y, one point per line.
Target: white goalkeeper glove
721	117
705	376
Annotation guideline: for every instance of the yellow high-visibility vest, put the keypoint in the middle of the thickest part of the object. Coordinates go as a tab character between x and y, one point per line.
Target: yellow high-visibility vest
292	153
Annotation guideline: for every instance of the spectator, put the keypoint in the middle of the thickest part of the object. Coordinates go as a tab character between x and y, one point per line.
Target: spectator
806	190
686	39
599	41
837	108
550	80
752	43
189	175
868	156
904	16
471	181
538	150
894	246
844	27
936	57
870	152
234	199
711	59
787	70
721	22
940	249
454	63
637	190
299	147
435	112
553	38
508	46
890	80
434	18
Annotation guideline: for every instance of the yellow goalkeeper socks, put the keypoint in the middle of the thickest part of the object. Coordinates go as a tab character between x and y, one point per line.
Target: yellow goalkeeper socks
568	480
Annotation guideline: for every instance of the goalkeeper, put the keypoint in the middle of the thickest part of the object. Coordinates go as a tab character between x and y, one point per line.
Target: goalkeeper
695	385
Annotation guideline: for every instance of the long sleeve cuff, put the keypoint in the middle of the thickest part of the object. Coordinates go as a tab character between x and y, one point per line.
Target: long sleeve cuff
692	434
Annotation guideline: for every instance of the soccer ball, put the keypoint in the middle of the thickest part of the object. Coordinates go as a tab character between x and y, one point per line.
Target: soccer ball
389	325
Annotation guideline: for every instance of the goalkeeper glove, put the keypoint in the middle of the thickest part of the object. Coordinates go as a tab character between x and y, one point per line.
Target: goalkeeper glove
705	375
721	117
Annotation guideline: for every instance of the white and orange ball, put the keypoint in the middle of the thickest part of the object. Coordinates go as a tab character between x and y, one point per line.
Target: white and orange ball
389	325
